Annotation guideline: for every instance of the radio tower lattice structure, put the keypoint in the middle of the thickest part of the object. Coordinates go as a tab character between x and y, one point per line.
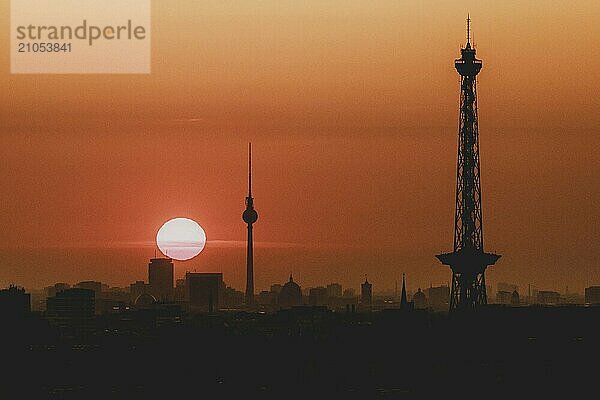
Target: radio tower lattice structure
468	261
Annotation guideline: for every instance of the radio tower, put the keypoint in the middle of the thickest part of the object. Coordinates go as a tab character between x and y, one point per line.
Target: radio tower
250	216
468	261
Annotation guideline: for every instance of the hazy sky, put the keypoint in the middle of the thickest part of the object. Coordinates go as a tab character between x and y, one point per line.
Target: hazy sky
352	108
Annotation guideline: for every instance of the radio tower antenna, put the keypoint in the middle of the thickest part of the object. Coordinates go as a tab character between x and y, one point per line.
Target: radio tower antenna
468	261
468	29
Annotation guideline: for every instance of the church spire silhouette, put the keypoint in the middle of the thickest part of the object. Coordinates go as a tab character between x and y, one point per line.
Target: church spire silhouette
403	300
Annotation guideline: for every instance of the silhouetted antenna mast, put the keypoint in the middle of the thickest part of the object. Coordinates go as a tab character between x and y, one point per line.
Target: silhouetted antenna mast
468	28
250	169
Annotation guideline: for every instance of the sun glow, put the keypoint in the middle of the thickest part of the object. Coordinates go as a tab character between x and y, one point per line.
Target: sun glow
181	239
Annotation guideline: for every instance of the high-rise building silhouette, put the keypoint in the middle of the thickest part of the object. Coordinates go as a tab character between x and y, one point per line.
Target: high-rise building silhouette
250	216
160	278
468	261
366	293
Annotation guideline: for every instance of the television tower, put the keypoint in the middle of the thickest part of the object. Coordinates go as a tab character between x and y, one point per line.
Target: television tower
250	216
468	261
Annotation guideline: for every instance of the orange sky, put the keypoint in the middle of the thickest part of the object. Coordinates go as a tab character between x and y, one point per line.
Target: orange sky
352	108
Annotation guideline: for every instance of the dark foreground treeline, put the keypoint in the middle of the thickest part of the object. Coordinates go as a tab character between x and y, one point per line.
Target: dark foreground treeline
308	353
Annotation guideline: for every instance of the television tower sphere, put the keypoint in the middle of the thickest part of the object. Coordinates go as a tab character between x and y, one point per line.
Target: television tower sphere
250	216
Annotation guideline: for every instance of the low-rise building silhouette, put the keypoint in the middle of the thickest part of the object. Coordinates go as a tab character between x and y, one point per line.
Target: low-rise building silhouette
51	291
514	299
318	296
592	295
290	294
72	310
137	289
204	291
507	287
334	290
548	297
91	285
14	302
503	297
276	288
420	300
438	297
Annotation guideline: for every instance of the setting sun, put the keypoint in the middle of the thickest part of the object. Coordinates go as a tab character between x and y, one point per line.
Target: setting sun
181	239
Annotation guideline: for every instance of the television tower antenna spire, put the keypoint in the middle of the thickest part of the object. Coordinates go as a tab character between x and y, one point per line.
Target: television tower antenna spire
250	169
